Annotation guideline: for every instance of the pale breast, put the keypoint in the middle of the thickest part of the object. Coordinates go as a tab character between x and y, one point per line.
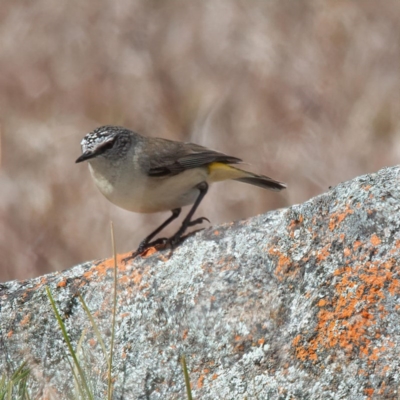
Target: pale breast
143	194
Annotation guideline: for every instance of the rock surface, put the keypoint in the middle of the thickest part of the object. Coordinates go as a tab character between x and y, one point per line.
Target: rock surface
299	303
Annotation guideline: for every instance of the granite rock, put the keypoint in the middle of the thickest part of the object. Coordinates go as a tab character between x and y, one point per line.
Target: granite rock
298	303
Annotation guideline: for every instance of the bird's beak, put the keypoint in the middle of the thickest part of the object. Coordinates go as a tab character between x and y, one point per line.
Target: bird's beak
86	156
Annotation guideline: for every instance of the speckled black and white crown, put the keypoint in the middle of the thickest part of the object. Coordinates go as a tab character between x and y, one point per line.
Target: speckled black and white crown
99	136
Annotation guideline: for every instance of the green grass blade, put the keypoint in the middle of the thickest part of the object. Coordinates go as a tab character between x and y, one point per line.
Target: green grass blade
77	383
95	328
69	345
110	383
187	379
15	387
83	360
10	390
3	386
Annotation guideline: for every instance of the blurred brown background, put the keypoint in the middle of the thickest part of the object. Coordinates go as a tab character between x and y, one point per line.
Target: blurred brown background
308	92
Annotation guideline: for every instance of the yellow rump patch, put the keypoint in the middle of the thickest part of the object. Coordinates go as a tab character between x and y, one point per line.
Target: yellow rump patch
221	172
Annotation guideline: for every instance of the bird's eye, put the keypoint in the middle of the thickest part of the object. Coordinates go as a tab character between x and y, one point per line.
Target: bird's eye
107	145
103	147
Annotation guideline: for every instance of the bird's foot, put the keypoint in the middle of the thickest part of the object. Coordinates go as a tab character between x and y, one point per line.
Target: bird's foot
171	242
178	237
145	246
198	221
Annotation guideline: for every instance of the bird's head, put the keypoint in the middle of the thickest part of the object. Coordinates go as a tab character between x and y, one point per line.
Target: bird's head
109	142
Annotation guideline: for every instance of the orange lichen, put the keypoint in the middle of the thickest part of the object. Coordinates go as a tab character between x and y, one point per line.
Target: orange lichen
362	372
347	252
101	268
41	283
385	369
304	354
123	279
284	266
297	221
296	340
347	322
136	276
322	303
214	377
324	253
338	217
62	283
369	391
88	274
26	319
394	287
375	353
239	347
261	341
200	381
294	223
149	252
185	334
10	333
375	240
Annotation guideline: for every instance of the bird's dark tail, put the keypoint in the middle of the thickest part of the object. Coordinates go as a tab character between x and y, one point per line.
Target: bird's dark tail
262	181
220	172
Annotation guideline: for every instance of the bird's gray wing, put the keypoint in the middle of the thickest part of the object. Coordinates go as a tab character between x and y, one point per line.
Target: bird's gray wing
175	157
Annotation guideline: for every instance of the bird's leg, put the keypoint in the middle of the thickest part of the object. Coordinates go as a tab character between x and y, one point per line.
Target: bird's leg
174	240
198	221
145	243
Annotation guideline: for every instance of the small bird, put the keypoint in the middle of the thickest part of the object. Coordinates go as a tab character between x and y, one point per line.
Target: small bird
148	175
